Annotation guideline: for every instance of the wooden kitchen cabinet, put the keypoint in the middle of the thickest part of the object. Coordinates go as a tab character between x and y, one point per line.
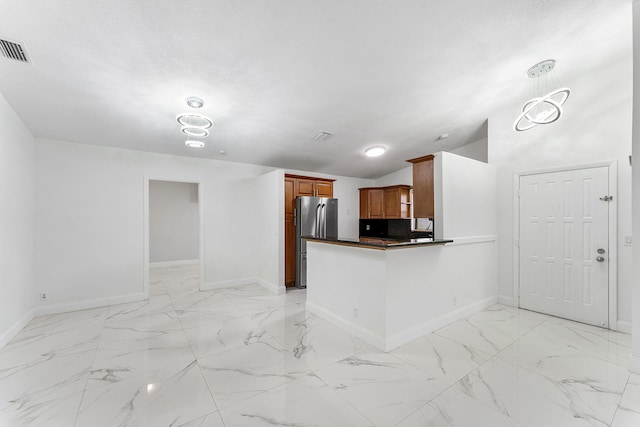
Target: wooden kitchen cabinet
306	187
289	251
393	202
316	187
289	191
294	186
289	231
423	204
324	188
397	202
372	202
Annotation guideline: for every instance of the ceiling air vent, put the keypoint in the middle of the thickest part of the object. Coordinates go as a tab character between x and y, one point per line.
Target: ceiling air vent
13	50
322	136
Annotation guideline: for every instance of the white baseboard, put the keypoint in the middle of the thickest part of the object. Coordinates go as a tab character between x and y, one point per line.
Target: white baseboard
405	336
172	263
505	300
48	309
45	310
624	327
221	284
356	330
429	326
634	364
278	290
10	333
467	240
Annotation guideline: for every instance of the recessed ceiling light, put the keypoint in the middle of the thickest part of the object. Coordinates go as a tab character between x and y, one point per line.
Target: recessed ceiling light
195	102
222	153
197	132
444	136
375	151
194	120
194	144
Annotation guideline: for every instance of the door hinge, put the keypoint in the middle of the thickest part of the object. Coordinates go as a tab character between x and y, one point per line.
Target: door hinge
517	243
606	198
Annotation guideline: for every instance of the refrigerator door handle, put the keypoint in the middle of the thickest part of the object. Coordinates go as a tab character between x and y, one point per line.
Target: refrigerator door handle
323	221
317	228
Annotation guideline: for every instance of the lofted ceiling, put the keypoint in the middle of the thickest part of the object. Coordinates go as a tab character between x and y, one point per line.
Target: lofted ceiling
275	73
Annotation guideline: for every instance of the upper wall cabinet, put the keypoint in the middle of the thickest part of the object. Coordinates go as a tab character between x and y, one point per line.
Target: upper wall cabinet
307	186
397	201
423	205
392	202
371	203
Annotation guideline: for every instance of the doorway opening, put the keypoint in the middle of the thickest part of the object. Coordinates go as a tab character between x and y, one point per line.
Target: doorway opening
565	230
173	250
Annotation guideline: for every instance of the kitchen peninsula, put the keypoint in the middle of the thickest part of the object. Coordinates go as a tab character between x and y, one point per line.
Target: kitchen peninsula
388	292
379	243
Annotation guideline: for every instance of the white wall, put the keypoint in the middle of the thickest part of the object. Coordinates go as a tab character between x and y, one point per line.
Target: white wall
596	127
403	176
346	191
465	197
267	229
477	150
173	221
17	217
635	283
90	215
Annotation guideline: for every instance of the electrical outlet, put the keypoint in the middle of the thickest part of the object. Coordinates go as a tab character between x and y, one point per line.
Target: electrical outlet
355	313
43	296
627	240
455	300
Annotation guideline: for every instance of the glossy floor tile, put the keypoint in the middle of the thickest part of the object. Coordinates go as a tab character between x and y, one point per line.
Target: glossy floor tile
455	409
628	413
249	370
381	386
245	357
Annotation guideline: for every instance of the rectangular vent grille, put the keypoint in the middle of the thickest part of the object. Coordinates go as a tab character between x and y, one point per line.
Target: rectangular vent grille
322	136
13	50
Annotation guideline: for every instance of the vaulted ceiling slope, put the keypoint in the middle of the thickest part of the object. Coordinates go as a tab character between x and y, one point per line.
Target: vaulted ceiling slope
275	73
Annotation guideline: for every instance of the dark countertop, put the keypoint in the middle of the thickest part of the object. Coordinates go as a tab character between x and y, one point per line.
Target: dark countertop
379	243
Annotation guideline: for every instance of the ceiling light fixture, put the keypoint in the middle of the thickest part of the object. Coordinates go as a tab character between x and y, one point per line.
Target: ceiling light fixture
194	120
194	125
375	151
194	143
197	132
546	106
195	102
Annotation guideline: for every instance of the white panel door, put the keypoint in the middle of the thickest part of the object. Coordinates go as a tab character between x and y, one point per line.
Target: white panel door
564	236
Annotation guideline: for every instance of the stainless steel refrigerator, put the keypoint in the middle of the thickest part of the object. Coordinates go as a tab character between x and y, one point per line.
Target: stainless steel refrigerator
315	217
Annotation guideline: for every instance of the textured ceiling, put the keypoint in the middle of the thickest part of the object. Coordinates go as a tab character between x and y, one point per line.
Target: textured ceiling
274	73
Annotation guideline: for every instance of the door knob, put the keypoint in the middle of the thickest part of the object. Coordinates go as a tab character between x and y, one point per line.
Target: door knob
600	259
600	251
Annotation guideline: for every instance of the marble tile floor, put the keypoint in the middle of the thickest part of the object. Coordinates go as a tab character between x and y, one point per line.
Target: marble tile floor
245	357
